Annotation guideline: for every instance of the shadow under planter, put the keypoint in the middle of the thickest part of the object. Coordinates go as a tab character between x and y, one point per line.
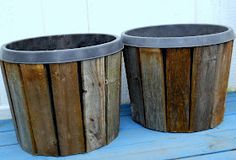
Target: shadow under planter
64	91
177	75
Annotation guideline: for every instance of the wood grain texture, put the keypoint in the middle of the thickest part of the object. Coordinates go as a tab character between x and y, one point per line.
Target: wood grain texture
113	80
153	87
221	81
203	81
13	115
132	65
19	106
68	109
138	143
93	76
178	89
40	108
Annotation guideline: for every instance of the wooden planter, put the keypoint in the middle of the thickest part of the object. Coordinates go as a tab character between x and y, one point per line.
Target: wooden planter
64	92
177	75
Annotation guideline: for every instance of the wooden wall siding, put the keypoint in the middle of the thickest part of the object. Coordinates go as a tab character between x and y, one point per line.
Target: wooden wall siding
64	109
152	76
113	80
68	109
194	90
178	68
132	65
221	82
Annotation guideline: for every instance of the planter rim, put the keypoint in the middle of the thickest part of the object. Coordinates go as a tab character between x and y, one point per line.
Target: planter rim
63	55
145	36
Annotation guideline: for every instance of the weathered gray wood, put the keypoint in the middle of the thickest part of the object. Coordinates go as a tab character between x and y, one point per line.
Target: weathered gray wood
221	82
202	92
19	106
113	80
178	66
153	87
40	108
132	65
66	95
9	100
93	76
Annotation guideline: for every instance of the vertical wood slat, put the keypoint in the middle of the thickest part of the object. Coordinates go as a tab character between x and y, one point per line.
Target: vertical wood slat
38	98
93	80
178	89
19	106
132	65
6	84
221	82
203	80
113	80
153	86
68	109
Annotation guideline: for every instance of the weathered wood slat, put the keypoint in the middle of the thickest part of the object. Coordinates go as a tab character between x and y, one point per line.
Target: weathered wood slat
9	100
93	76
40	108
221	81
203	81
138	143
68	109
19	106
113	80
178	89
153	87
132	65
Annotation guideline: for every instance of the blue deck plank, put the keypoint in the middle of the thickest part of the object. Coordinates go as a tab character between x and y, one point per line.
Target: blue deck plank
136	142
7	138
6	125
229	155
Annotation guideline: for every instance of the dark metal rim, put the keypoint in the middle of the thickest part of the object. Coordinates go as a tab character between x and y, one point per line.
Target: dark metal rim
63	55
178	42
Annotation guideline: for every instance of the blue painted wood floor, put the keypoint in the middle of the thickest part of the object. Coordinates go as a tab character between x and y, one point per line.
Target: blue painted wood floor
138	143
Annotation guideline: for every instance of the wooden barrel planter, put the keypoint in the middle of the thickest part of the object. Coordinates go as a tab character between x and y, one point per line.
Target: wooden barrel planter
177	75
64	91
